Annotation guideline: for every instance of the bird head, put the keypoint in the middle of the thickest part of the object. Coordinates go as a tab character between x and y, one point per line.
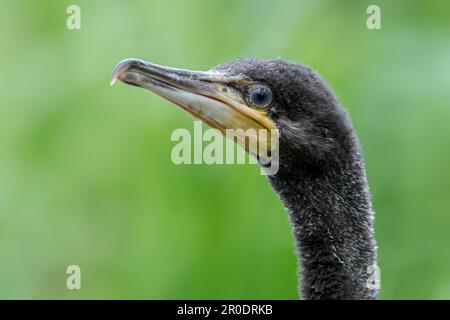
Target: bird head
254	94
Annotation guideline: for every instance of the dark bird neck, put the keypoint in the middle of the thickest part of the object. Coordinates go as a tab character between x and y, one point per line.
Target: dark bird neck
332	220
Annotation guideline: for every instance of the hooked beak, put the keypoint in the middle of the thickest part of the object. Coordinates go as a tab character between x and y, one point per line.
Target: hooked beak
209	96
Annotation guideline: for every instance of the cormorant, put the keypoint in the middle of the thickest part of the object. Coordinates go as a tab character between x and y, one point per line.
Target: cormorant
321	178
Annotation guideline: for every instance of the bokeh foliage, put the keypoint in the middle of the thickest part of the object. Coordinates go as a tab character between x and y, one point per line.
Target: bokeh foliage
85	170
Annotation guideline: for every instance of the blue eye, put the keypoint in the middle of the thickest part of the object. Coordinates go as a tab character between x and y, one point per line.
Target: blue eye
261	96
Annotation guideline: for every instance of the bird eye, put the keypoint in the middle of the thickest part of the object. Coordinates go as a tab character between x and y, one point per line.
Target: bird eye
261	96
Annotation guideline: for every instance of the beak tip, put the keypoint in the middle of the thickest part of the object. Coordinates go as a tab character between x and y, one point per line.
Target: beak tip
121	68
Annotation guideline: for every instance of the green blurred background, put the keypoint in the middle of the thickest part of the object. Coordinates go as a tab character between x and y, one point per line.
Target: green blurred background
85	170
